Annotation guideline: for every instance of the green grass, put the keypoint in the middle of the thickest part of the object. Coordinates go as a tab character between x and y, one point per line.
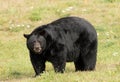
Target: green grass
22	16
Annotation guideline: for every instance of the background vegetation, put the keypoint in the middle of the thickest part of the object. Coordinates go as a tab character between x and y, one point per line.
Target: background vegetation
22	16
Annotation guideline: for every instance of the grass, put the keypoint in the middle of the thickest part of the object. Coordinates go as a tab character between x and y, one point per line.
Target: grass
22	16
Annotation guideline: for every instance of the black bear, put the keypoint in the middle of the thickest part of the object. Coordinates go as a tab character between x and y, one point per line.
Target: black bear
64	40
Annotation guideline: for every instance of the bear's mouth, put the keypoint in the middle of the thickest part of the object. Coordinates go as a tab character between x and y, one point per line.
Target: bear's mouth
37	50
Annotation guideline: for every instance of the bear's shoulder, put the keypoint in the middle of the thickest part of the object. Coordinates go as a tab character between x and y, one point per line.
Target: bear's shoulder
38	29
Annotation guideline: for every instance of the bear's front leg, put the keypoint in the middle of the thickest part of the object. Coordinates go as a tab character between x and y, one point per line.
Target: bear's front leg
59	57
38	64
59	66
59	62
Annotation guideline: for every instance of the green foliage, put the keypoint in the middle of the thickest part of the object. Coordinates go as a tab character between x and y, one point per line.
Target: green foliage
62	13
18	27
3	20
110	1
35	15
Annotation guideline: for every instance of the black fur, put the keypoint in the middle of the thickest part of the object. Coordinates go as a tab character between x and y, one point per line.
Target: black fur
64	40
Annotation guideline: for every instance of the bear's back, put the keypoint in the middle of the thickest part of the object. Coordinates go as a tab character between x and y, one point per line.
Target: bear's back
67	24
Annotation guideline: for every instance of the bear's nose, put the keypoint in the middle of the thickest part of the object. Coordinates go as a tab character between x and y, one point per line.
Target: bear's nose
37	48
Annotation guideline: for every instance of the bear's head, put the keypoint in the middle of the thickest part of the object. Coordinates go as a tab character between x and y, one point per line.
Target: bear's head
36	43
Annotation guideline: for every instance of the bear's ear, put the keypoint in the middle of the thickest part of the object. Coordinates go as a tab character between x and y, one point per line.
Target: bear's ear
26	36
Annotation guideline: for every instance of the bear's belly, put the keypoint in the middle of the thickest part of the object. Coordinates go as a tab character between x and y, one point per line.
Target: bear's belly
72	57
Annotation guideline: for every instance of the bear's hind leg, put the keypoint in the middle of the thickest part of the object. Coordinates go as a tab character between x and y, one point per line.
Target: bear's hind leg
79	65
86	62
89	60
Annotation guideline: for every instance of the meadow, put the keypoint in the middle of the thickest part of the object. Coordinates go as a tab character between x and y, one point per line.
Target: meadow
22	16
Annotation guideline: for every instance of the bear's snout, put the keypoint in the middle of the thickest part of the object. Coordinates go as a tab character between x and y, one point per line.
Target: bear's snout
37	47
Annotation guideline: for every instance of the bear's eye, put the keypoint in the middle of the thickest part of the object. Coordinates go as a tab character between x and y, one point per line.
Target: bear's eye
33	41
39	41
